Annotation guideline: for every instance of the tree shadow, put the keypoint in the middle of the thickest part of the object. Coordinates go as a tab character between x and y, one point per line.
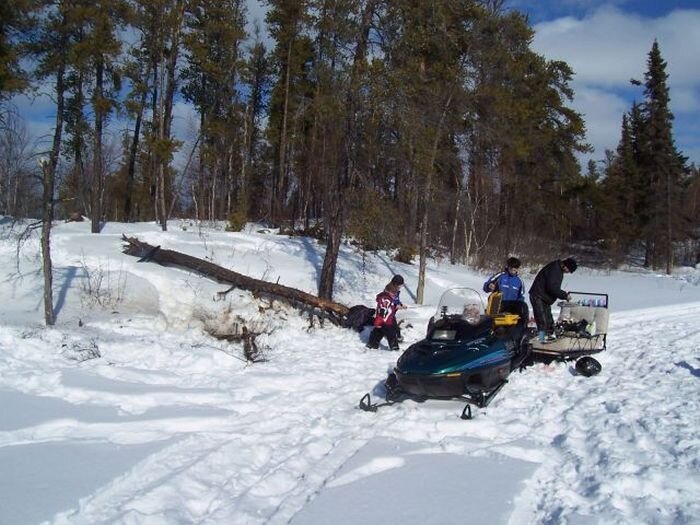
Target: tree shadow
313	256
393	271
695	372
68	277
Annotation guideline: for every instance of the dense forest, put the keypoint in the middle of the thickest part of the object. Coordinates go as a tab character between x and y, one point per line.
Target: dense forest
425	128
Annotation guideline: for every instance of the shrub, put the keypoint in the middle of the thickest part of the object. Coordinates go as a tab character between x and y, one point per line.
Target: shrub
406	253
374	221
237	220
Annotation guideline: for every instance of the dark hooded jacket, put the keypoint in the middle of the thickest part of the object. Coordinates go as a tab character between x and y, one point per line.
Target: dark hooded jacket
547	283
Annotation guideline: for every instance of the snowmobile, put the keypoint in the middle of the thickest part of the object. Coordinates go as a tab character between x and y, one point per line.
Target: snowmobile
468	352
580	330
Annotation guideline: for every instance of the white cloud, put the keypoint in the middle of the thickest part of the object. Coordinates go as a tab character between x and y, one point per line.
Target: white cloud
256	11
185	127
609	47
602	112
256	16
39	116
685	100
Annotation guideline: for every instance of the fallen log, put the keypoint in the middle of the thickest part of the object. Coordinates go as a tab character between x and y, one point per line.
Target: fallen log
333	311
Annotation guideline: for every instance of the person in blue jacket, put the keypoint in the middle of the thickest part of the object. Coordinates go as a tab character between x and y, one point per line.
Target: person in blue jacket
511	286
507	282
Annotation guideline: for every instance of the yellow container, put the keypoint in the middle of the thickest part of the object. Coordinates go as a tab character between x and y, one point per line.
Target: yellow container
506	319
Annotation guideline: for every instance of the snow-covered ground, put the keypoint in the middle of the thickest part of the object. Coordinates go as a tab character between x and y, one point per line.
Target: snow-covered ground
128	412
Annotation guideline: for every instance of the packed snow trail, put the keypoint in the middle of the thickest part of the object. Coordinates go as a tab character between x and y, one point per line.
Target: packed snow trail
140	417
608	447
624	444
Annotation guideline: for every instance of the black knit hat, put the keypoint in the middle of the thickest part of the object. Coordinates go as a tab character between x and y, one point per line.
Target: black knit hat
397	279
570	264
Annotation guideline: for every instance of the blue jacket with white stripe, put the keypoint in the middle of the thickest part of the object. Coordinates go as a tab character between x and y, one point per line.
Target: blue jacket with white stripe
509	285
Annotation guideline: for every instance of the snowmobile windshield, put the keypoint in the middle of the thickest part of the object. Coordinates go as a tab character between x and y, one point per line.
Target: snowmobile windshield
463	302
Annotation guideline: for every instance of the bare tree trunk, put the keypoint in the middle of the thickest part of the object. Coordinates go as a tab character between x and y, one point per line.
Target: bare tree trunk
336	201
229	181
162	207
49	175
168	92
455	222
47	218
153	156
279	187
214	180
468	234
330	260
133	152
183	175
84	196
97	186
246	155
422	250
425	222
160	160
196	205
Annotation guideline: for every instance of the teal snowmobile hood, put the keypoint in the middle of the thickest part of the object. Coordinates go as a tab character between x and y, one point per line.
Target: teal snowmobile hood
455	346
431	357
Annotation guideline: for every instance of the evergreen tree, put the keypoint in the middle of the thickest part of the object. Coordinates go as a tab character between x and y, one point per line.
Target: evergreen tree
101	51
215	33
256	77
75	188
519	141
621	222
345	24
427	46
692	211
53	49
642	193
137	71
287	21
663	165
16	21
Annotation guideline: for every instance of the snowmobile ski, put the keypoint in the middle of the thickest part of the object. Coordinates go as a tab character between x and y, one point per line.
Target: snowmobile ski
367	405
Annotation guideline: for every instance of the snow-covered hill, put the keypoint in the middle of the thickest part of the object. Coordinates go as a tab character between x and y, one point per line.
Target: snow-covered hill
128	412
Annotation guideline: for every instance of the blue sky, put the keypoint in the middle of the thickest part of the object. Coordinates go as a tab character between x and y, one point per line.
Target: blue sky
545	10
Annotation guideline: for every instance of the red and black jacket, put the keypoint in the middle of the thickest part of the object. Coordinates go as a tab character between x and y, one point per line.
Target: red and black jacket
386	309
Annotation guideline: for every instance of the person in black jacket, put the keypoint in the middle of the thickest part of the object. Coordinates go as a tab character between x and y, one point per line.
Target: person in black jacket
545	289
